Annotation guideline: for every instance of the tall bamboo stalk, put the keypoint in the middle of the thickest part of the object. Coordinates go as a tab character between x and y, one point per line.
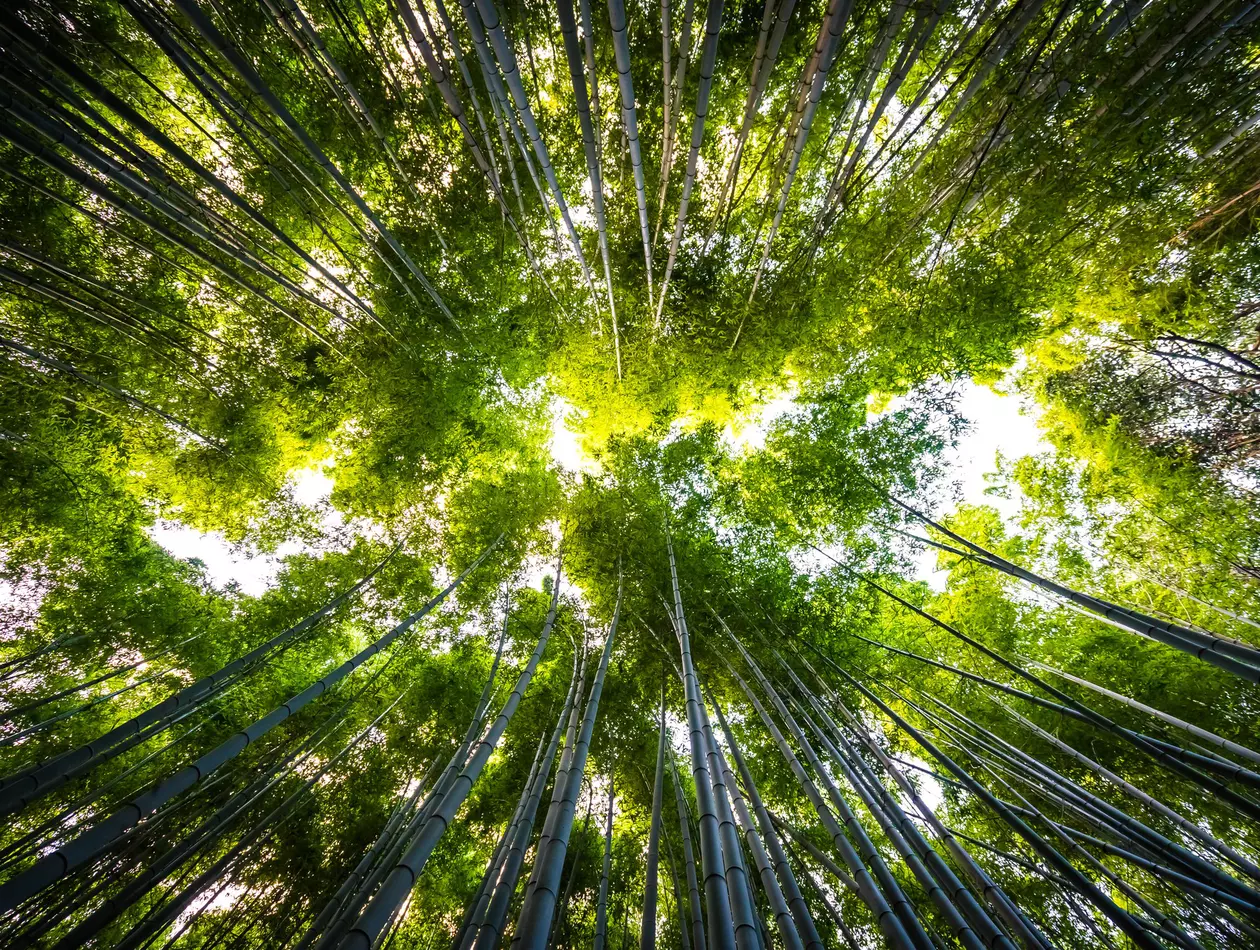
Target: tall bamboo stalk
398	884
716	891
536	915
647	931
601	907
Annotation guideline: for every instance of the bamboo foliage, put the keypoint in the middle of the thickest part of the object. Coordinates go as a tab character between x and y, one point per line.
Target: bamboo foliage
228	230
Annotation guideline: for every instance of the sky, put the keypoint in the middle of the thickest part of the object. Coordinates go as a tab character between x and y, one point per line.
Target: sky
225	562
999	423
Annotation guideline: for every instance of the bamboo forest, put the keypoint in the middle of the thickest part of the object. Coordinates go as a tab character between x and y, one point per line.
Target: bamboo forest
629	474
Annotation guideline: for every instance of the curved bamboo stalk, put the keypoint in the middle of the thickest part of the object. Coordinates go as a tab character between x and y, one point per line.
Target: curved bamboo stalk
901	832
828	46
865	847
240	120
360	108
1169	754
835	915
1231	655
478	909
560	783
465	74
1067	793
62	366
1113	912
996	48
456	108
764	55
160	867
1012	916
56	163
61	133
748	933
1209	737
889	923
408	833
502	105
913	46
256	835
684	936
669	130
402	813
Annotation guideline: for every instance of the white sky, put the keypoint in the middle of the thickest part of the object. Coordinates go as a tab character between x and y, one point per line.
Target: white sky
565	445
999	423
226	562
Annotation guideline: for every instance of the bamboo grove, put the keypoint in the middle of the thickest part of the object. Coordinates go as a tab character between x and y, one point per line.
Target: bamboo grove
718	678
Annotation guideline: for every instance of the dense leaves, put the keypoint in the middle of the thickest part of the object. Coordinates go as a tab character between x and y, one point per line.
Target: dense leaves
537	363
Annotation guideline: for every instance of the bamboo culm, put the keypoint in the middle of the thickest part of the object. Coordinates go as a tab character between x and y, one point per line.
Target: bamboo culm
865	848
761	859
398	884
689	861
84	847
803	919
536	915
496	914
716	892
647	930
601	906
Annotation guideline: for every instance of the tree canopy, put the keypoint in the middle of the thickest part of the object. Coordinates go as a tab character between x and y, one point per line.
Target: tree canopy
745	666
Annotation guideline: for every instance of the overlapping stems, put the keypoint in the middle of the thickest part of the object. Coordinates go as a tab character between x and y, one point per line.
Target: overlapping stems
834	736
963	86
